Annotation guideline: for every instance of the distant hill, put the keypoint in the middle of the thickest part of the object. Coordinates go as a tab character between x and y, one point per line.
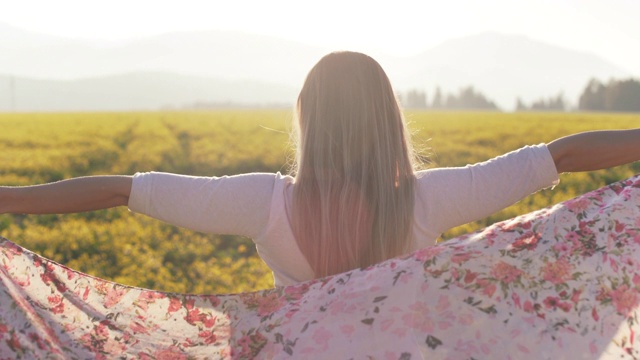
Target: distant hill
219	54
139	91
216	66
504	67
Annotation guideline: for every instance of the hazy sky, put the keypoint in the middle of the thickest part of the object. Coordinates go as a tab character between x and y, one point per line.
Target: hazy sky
609	28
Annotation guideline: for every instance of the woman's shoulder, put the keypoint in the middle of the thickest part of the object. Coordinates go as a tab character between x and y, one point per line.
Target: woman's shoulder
284	178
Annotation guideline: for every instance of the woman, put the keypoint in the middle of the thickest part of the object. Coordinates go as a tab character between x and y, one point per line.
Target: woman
355	197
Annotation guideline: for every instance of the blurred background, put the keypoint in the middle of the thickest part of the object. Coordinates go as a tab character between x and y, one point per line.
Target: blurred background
74	55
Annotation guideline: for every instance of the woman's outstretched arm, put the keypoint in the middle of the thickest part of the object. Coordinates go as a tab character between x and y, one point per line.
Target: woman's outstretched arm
595	150
67	196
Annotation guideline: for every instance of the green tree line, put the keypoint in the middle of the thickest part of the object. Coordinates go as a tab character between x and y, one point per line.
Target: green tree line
616	96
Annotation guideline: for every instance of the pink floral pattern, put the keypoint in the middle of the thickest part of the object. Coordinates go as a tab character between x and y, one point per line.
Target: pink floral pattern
562	282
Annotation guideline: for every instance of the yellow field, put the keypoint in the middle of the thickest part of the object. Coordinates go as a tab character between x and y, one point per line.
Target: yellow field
136	250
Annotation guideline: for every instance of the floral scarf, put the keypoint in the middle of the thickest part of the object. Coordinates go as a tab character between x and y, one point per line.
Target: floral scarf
562	282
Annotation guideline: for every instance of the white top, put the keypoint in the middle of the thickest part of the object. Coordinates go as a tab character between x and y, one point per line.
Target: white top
254	204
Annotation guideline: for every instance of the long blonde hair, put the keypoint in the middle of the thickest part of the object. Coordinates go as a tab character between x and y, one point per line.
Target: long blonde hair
353	195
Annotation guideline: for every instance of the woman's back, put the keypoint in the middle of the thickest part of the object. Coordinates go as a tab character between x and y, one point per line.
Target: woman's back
352	203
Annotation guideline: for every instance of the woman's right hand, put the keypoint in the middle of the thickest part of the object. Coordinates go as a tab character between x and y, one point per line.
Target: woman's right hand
67	196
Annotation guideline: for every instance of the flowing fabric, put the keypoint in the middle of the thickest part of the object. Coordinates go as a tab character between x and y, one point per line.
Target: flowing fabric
559	283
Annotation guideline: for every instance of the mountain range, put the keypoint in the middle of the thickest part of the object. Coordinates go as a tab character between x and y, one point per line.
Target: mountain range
46	73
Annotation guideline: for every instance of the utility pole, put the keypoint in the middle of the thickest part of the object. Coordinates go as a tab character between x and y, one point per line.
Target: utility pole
12	93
